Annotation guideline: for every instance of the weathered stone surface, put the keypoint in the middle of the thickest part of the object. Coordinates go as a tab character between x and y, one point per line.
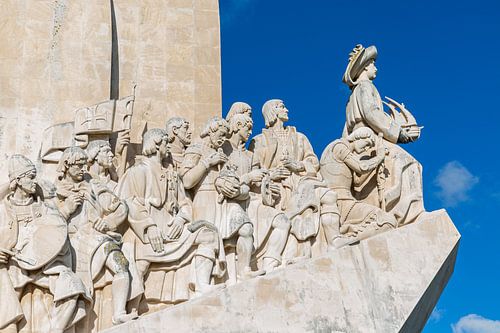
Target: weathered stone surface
387	283
57	55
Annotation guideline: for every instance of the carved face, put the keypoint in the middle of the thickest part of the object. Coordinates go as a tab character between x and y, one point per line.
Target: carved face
371	70
105	157
184	133
27	182
76	171
218	137
362	145
244	131
281	112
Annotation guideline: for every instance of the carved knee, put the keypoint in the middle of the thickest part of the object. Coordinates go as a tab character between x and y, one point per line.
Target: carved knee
281	222
117	262
329	198
208	238
246	230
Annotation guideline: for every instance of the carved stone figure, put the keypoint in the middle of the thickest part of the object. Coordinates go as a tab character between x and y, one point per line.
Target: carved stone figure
98	258
179	134
290	160
271	226
403	193
101	162
217	192
35	251
175	254
343	163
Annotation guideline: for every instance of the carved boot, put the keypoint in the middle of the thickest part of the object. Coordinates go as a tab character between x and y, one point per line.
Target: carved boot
204	267
120	288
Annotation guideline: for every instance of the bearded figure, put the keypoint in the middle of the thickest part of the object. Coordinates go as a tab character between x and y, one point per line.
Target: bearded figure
35	257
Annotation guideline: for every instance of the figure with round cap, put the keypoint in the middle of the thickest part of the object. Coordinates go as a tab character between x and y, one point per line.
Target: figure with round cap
34	249
402	193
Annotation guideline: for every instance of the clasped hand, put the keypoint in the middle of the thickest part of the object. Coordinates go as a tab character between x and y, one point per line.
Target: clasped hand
227	188
216	158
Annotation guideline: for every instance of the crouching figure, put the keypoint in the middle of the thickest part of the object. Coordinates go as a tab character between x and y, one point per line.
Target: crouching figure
346	163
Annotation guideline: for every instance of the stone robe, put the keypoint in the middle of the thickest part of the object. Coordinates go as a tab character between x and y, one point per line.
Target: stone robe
300	192
261	215
229	215
18	232
155	196
403	193
91	247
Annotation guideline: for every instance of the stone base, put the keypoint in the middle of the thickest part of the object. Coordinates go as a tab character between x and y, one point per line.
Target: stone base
388	283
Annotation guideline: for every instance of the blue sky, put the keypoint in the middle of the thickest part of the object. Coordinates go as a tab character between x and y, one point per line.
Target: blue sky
441	58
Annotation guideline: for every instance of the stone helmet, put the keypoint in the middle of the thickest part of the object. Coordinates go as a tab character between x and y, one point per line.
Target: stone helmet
19	165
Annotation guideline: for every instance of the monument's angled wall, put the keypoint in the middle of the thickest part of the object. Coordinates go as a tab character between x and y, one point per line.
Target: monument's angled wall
56	56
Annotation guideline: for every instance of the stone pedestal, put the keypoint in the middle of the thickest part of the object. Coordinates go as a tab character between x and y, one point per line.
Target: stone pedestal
388	283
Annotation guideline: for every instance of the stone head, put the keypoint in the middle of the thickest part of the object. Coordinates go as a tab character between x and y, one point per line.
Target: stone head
361	65
72	164
273	110
155	141
22	174
99	151
239	108
361	139
179	128
241	125
216	131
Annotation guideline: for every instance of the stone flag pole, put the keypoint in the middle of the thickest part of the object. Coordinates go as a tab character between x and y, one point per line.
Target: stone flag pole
61	55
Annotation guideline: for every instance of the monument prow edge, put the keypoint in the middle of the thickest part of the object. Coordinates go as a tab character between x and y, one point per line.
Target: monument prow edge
388	283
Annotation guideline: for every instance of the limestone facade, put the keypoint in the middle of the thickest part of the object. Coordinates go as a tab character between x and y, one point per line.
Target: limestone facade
59	55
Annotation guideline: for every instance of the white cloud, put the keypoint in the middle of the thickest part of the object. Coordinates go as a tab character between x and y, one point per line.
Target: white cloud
436	314
473	323
454	182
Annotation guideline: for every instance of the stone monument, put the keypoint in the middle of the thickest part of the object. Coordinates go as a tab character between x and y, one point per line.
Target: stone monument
144	210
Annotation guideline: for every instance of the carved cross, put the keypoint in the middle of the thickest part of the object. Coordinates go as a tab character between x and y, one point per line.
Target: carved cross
93	118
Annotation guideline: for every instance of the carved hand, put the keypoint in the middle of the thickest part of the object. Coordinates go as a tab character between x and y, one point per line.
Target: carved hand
279	173
275	190
216	158
4	257
228	189
292	165
101	226
256	175
73	202
413	132
155	238
122	140
176	229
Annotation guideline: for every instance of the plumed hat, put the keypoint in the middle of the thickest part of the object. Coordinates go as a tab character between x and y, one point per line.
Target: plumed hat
359	58
19	165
